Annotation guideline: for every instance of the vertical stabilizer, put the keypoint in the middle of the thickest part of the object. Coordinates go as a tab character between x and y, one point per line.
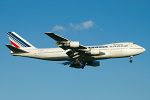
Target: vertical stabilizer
17	41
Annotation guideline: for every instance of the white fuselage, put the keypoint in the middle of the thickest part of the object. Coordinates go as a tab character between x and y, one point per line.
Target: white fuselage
115	50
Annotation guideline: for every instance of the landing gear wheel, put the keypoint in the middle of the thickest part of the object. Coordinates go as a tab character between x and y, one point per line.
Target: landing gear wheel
131	59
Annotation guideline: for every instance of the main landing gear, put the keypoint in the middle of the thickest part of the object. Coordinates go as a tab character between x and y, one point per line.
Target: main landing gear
131	59
81	63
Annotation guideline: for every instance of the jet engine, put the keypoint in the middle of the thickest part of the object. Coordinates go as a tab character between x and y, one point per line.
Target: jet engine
72	44
93	63
93	52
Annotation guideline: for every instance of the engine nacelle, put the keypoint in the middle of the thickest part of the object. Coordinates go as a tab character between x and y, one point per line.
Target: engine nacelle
93	52
72	44
93	63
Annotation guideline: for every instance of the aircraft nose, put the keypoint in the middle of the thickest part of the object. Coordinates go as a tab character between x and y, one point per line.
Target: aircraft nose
144	49
141	50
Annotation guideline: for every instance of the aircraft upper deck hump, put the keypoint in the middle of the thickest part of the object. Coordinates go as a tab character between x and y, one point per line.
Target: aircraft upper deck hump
17	41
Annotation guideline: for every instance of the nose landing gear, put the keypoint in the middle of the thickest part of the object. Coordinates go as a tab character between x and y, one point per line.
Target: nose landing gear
131	59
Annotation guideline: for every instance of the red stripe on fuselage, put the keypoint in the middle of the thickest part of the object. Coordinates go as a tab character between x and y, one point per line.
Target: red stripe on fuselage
14	44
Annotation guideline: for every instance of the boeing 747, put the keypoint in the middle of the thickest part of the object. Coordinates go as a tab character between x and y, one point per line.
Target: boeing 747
75	54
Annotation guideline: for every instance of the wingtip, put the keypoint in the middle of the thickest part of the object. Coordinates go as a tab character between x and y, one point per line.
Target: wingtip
49	33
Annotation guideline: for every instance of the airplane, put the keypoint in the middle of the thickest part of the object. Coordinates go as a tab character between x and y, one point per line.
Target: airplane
75	54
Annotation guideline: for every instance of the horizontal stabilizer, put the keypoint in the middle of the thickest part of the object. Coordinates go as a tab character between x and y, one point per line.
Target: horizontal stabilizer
16	50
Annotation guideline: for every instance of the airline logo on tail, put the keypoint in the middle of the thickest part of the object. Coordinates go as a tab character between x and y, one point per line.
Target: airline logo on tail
18	41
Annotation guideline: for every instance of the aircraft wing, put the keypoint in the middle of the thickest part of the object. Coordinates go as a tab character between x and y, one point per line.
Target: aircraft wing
61	40
74	49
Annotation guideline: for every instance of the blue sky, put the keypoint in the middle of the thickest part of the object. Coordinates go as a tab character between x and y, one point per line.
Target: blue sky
92	22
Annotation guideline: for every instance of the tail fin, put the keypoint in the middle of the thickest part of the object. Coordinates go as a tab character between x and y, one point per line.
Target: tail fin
17	41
